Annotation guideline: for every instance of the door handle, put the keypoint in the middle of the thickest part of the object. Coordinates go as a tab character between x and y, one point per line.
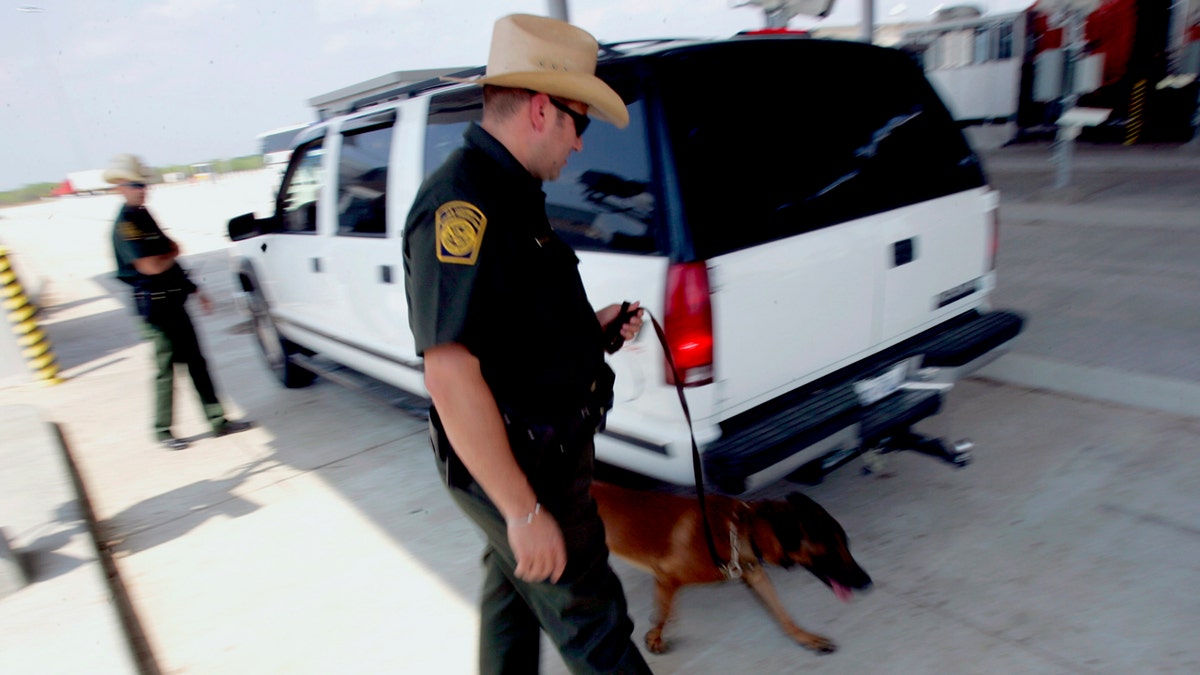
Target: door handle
385	274
904	252
316	265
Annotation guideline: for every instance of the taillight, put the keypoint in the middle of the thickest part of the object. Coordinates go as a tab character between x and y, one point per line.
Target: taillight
688	323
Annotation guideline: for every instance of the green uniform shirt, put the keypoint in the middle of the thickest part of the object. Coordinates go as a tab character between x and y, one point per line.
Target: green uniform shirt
484	269
137	235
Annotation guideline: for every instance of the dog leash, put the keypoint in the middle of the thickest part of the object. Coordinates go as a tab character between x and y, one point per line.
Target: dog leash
733	570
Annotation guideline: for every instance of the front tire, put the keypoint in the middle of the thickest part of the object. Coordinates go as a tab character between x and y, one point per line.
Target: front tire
277	350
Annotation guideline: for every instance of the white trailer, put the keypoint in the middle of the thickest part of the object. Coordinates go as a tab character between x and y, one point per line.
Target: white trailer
88	182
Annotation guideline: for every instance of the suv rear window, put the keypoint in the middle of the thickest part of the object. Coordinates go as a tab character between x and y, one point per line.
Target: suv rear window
773	138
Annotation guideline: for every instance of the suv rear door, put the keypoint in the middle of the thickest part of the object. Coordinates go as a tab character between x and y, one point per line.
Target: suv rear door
367	278
801	176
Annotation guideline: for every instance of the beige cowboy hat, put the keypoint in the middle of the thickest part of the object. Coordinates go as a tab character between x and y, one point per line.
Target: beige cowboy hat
552	57
127	168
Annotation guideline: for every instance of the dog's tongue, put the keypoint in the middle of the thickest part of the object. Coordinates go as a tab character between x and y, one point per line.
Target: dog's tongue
841	591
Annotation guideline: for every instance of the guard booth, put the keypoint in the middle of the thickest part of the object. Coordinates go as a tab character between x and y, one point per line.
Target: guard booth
204	172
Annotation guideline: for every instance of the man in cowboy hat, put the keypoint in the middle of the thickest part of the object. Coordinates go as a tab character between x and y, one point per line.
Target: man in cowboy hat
146	259
514	354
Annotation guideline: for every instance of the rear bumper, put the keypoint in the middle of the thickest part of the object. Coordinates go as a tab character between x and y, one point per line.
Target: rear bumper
964	348
821	426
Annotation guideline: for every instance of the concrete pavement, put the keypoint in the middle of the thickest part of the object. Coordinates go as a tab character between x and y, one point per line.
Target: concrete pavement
1106	270
321	542
66	619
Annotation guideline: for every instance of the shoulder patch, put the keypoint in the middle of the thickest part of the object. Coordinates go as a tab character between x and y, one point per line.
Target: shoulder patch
460	228
130	231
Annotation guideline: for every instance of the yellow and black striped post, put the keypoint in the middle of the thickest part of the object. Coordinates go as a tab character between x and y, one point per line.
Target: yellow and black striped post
1137	112
22	315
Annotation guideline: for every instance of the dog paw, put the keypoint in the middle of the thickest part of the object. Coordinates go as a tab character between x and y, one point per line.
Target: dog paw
655	643
819	644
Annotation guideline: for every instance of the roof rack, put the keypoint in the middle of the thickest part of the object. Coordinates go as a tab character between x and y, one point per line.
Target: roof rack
615	48
407	84
413	89
400	84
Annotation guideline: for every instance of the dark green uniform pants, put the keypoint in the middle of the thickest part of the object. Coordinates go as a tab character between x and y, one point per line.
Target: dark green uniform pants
584	613
175	341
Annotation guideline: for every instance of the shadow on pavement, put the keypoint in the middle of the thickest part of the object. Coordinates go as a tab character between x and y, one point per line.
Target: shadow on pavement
172	514
42	558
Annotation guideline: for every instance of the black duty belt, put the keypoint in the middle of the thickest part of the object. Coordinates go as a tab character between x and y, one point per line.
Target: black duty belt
580	424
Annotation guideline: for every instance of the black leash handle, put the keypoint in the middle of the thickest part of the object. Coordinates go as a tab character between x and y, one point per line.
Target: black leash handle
696	470
612	333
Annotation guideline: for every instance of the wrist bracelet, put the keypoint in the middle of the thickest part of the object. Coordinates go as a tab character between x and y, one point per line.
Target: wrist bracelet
537	508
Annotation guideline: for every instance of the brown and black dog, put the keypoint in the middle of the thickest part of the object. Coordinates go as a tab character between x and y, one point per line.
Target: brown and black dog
664	534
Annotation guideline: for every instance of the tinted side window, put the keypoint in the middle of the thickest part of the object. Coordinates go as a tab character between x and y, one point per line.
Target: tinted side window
816	133
301	189
604	200
362	182
449	116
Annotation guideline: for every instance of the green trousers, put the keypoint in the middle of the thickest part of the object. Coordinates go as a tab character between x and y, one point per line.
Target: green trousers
175	342
584	613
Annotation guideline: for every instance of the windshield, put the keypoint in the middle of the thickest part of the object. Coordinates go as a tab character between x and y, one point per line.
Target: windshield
776	138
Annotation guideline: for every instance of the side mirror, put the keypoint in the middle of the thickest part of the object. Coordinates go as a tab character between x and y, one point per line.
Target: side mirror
244	227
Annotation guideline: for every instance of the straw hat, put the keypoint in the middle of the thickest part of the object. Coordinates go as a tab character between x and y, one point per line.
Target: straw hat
127	168
552	57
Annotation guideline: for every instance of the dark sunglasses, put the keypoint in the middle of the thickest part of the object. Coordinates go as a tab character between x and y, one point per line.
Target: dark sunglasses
581	121
135	186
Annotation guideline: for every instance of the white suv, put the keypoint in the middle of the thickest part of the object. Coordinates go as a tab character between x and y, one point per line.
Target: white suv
803	216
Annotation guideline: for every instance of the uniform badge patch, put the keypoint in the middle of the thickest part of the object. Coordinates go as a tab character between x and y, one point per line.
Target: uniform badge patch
460	228
129	231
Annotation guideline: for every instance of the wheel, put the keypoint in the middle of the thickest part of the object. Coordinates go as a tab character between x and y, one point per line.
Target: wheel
277	350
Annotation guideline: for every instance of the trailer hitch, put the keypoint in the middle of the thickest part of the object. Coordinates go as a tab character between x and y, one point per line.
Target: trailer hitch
957	453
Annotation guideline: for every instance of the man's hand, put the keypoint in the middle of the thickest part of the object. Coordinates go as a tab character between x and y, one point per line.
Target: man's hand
472	421
538	546
631	328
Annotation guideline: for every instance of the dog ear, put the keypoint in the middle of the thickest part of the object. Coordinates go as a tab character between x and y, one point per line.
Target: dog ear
822	525
783	530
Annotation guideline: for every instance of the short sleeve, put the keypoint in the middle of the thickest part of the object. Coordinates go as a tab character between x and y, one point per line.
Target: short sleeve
140	237
444	250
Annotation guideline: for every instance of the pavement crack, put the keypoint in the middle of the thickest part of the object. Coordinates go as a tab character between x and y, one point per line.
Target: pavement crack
1153	519
915	599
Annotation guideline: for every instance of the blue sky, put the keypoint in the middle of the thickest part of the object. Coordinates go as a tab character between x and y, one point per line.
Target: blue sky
181	81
